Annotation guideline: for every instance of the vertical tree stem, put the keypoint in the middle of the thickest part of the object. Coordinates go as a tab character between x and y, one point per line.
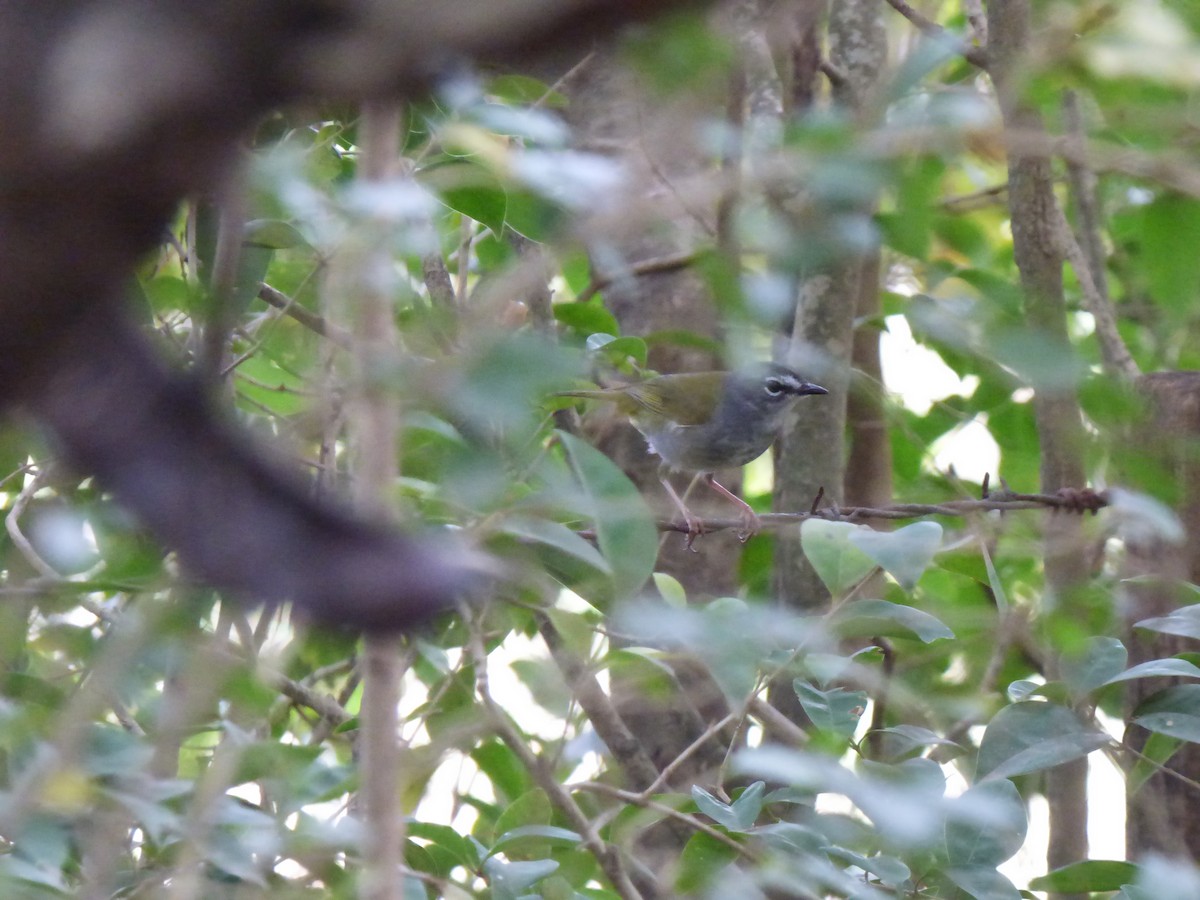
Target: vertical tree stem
1036	220
374	422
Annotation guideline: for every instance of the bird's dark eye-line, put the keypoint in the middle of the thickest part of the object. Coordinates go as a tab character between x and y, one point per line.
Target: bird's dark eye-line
774	387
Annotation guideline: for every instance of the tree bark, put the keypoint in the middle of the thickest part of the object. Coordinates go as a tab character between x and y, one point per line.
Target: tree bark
812	453
1160	817
1035	221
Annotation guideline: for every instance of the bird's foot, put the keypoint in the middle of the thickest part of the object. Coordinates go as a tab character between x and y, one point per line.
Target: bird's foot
694	527
751	524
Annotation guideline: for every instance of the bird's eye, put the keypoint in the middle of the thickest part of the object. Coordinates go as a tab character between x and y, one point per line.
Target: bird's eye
774	387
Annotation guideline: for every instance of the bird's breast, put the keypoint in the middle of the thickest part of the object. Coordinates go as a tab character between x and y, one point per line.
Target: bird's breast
702	448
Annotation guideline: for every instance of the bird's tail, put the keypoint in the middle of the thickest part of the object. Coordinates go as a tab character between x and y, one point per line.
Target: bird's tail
598	394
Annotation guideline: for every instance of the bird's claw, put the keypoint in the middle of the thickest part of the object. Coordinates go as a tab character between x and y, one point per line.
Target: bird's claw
695	528
751	525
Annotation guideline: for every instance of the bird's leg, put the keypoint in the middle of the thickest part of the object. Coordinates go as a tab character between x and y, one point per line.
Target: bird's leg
750	521
695	527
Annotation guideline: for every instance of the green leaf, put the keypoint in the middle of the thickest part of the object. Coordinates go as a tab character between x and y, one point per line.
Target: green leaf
448	840
837	711
904	554
532	841
1170	235
838	562
587	318
994	833
273	234
900	740
619	351
889	870
531	808
556	537
1174	711
749	803
1101	659
738	816
860	618
1158	668
983	883
717	810
702	858
1184	622
511	880
670	590
625	528
1031	736
1157	750
1088	876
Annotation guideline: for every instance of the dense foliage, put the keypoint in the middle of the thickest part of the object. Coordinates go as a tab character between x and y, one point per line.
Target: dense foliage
158	739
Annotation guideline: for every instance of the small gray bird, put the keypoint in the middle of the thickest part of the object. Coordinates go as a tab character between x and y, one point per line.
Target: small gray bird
705	421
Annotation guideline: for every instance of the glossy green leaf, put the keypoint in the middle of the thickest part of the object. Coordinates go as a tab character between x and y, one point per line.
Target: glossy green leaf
837	711
1088	876
1031	736
1174	711
512	880
898	741
702	858
879	617
1155	753
904	554
1184	622
838	562
993	833
1158	668
983	883
625	528
1101	660
1171	232
587	318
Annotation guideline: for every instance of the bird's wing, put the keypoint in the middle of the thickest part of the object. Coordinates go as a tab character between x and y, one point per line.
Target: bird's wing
688	397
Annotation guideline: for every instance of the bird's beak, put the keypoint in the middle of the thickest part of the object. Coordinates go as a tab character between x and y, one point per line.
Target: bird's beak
810	388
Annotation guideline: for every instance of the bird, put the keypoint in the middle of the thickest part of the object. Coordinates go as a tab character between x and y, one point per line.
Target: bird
702	422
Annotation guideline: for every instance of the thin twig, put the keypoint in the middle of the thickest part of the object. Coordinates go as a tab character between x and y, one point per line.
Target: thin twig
309	320
1000	501
974	55
689	751
606	855
12	523
639	768
1086	254
671	262
597	787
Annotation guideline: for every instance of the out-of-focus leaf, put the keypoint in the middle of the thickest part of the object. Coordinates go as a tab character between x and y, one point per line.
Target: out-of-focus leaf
900	740
983	883
1174	711
625	528
993	837
838	562
531	808
511	880
1088	876
1158	668
1171	232
1030	736
837	711
703	857
587	318
1184	622
1101	659
879	617
273	234
904	554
